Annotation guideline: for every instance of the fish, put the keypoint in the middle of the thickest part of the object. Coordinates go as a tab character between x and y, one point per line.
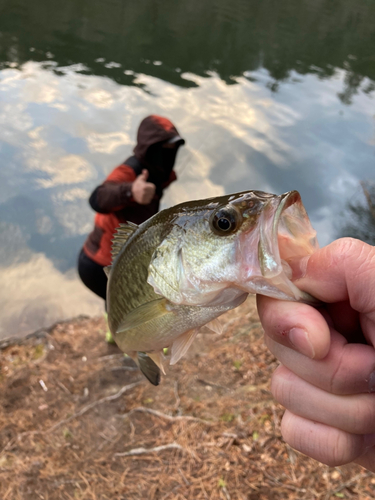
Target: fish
188	264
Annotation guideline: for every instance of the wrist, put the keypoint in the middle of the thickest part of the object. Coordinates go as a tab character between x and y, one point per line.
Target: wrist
127	192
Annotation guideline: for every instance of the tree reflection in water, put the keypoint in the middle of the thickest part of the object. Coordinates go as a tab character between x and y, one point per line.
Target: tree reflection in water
106	37
360	215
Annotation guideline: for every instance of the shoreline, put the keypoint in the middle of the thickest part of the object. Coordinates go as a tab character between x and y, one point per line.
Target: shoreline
40	332
79	420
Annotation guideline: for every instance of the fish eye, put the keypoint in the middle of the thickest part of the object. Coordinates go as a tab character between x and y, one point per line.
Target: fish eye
225	221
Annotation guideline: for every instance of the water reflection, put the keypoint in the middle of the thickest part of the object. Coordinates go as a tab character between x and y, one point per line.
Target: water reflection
35	293
273	96
167	39
358	219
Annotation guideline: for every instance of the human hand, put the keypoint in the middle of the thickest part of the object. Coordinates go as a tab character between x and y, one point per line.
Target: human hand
327	378
143	191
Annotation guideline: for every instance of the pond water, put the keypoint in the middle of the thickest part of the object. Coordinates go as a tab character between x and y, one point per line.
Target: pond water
268	95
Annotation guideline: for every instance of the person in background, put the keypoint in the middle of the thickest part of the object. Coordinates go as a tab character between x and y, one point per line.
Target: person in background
131	192
326	380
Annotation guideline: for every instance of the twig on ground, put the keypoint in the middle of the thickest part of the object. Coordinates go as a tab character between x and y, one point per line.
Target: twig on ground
141	451
226	492
108	357
56	484
178	400
204	489
165	416
80	412
62	386
361	475
278	483
93	404
183	477
8	445
108	439
211	384
132	432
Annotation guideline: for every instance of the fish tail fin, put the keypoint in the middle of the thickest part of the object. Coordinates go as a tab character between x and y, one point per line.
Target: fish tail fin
148	367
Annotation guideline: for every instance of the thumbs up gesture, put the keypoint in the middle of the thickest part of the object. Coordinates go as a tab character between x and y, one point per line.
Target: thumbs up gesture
143	191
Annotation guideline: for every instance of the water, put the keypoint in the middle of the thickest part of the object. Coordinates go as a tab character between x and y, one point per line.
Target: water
268	95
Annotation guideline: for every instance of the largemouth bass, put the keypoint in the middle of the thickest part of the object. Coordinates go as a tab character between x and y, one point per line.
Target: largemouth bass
190	263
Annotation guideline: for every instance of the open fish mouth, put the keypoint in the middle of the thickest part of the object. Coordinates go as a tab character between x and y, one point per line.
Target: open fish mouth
286	241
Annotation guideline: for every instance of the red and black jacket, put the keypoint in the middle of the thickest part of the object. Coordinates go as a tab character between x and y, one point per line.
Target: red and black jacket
113	199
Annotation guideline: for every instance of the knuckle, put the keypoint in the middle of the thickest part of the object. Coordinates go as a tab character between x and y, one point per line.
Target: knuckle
347	247
337	381
357	257
282	387
363	416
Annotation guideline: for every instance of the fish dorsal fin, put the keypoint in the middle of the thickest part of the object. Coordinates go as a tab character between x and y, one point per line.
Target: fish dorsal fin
142	314
181	345
123	231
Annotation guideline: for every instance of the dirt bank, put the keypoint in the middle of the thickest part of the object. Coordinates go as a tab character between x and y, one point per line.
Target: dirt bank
78	421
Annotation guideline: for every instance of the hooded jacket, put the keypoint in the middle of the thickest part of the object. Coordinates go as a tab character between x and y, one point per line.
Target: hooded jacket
113	199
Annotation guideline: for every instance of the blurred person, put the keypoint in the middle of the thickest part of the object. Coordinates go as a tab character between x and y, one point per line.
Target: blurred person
326	380
130	193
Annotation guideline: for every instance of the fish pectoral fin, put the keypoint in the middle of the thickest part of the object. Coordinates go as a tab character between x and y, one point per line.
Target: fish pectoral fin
181	345
216	326
148	367
142	314
107	270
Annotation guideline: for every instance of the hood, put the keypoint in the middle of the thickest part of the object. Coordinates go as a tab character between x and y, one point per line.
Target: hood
152	130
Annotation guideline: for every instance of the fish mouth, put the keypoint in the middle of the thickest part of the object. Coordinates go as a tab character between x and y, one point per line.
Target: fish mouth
286	242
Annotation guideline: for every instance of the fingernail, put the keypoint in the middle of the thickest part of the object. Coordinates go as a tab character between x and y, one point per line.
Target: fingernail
300	340
371	382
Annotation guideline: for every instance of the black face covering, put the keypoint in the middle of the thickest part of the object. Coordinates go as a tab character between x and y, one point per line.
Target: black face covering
160	162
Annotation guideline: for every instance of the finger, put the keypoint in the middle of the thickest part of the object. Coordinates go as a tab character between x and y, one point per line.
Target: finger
345	320
354	414
149	191
367	460
347	368
144	175
295	325
147	199
326	444
344	271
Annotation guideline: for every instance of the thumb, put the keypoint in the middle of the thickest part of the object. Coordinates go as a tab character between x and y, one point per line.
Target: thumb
144	175
344	272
